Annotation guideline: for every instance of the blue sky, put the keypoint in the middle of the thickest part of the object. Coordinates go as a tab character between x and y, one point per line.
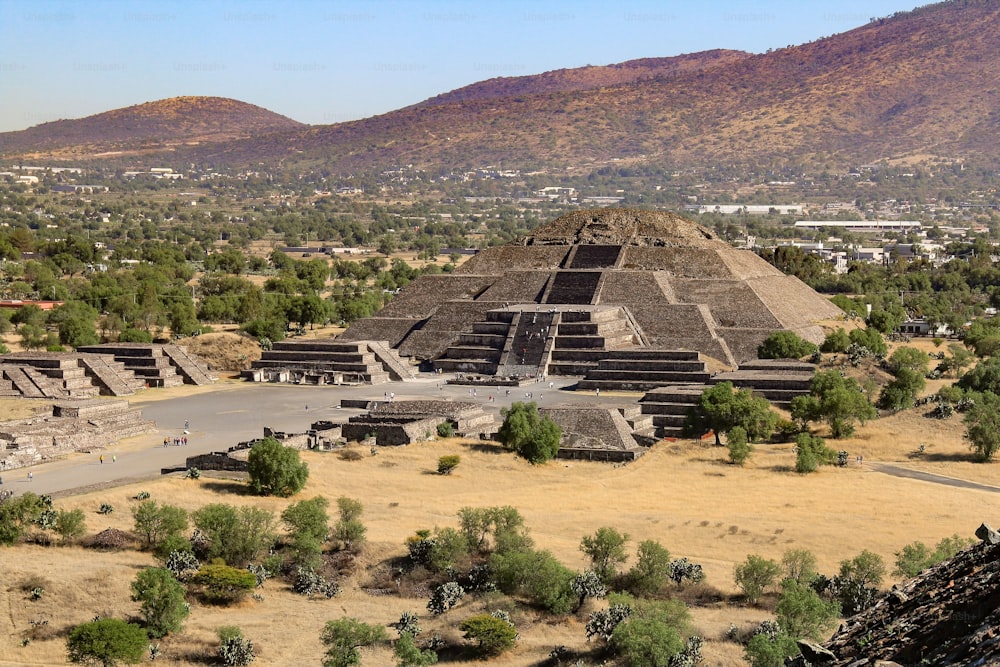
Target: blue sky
327	62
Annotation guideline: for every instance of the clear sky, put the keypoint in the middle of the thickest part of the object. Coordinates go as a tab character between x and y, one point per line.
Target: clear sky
327	62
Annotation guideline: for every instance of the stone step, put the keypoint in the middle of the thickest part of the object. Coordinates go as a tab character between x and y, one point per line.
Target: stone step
474	353
666	408
656	376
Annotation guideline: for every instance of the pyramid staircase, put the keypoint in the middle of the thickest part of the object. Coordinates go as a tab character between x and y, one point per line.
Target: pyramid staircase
668	407
584	337
148	362
48	375
777	380
479	351
193	370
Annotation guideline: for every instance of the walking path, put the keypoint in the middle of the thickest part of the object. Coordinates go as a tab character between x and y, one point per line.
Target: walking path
900	471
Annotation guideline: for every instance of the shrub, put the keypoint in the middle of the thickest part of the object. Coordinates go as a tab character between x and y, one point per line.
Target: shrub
276	470
445	430
869	339
445	597
163	608
343	637
802	613
135	336
308	518
682	570
349	530
755	575
836	341
237	535
107	641
234	649
785	345
106	508
310	583
799	565
408	654
157	522
408	624
17	513
739	448
182	564
221	584
856	585
494	635
651	569
812	451
70	524
448	463
651	635
587	584
770	650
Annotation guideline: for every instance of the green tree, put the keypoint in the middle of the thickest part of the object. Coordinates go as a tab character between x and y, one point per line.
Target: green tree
811	453
533	437
538	576
767	650
909	366
238	536
870	339
982	426
343	639
755	575
276	470
802	613
308	518
163	608
349	530
606	550
836	399
17	513
652	634
494	635
739	448
785	345
720	409
408	654
157	522
107	642
651	569
70	524
799	565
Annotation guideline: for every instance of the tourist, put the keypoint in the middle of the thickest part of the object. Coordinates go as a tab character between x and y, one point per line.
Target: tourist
102	459
31	476
597	391
186	424
114	458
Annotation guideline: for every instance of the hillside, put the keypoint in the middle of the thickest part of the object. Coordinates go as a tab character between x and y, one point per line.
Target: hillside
924	82
149	126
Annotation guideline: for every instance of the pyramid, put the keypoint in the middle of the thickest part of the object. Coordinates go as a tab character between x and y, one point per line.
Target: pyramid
591	287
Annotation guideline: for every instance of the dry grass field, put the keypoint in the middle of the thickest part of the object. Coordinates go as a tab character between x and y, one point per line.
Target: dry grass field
682	494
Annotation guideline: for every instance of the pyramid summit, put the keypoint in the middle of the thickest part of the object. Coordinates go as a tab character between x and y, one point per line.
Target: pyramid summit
593	286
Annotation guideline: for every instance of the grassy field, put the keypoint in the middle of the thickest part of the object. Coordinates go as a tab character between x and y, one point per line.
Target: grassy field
682	494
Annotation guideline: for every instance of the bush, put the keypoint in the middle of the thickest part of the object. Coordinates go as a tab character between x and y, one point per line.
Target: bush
537	575
770	650
349	530
533	437
135	336
448	463
237	535
163	608
234	649
17	513
445	597
107	641
856	585
308	518
182	564
651	635
785	345
343	637
802	613
836	341
408	654
812	451
494	635
739	448
755	575
682	570
445	430
799	565
276	470
221	584
651	570
70	525
157	522
308	582
869	339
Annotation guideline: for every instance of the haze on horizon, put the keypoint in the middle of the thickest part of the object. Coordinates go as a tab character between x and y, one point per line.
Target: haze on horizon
322	63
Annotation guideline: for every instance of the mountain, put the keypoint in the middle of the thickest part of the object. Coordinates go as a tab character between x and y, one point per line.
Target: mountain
919	83
149	127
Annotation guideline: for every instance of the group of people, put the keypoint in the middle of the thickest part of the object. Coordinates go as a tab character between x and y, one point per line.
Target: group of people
177	441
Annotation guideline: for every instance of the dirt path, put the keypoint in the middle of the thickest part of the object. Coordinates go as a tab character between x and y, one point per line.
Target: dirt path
899	471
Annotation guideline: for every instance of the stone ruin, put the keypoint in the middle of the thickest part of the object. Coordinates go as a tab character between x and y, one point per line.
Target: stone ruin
67	427
402	422
113	369
947	615
625	297
601	434
329	361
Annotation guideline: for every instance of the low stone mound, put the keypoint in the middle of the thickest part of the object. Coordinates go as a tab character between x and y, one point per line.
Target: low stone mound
111	539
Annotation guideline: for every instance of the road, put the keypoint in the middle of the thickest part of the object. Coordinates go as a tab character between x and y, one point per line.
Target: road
229	413
899	471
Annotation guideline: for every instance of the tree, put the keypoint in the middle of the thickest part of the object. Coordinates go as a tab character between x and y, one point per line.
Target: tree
651	569
982	425
785	345
836	399
17	513
276	470
909	365
799	565
344	636
802	613
494	635
755	575
739	448
651	634
533	437
770	650
720	409
238	536
408	654
70	524
163	608
856	585
158	522
606	550
349	530
308	518
811	452
107	642
870	339
537	575
836	341
984	377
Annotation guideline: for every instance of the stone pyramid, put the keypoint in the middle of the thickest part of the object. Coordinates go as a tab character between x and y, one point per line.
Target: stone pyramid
603	280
